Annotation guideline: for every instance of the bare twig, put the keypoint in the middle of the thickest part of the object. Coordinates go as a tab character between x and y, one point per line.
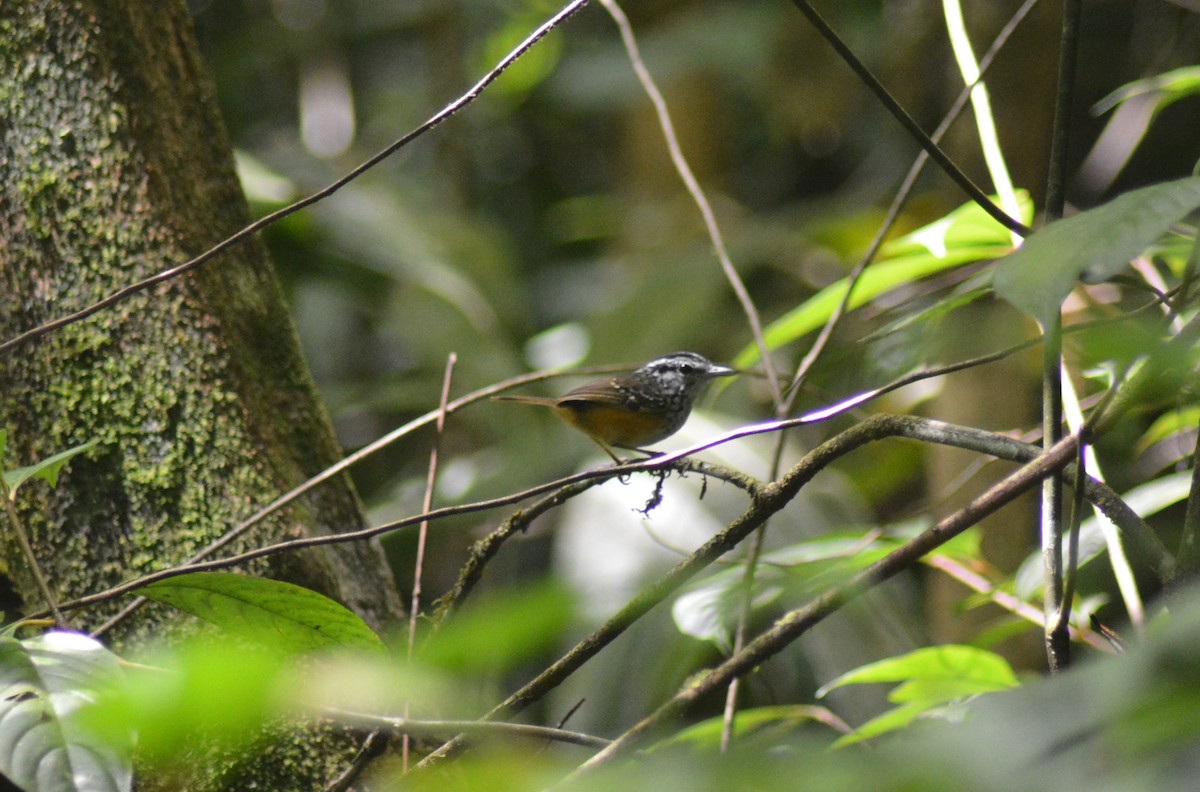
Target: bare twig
423	532
900	114
35	569
174	272
473	727
1057	648
694	189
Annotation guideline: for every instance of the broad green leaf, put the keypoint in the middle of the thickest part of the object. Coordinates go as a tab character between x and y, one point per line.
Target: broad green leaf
45	685
1168	424
280	614
1099	242
1169	88
967	664
965	235
930	679
47	470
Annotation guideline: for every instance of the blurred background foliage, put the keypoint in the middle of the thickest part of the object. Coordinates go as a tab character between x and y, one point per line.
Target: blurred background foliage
544	226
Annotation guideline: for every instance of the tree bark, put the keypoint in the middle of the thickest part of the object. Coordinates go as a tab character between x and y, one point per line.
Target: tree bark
114	165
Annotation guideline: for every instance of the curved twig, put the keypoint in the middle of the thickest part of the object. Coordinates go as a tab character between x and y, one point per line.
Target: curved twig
433	121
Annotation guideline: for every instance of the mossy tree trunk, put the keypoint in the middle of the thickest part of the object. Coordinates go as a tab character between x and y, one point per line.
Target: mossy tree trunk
114	165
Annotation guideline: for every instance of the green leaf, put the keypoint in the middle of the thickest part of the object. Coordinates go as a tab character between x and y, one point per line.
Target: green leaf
1037	277
930	679
965	235
47	470
46	684
981	669
280	614
1170	423
1169	86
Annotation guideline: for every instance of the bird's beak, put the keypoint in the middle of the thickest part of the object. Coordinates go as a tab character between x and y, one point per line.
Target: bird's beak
721	371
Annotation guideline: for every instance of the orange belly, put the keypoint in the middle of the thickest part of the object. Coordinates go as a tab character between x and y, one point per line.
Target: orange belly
612	425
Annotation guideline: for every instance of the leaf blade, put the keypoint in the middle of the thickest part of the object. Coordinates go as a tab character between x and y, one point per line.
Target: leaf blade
288	616
1038	276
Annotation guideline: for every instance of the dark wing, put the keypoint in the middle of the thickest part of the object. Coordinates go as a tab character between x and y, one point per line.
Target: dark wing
599	393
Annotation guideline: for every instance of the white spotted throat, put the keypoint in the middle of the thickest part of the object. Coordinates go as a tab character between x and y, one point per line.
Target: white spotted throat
636	409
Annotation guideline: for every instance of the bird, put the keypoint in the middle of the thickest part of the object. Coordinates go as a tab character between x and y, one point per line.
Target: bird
634	410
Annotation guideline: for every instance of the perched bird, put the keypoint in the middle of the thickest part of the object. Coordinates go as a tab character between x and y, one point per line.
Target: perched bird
636	409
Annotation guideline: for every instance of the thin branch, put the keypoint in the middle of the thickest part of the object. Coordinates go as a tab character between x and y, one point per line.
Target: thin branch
1062	624
1006	599
423	533
1057	649
694	189
227	243
795	623
486	548
911	126
427	505
35	569
373	746
473	727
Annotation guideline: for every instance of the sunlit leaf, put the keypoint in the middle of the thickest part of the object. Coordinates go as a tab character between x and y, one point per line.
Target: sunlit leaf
953	663
1168	424
930	679
47	470
965	235
45	683
1037	277
281	614
1168	87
